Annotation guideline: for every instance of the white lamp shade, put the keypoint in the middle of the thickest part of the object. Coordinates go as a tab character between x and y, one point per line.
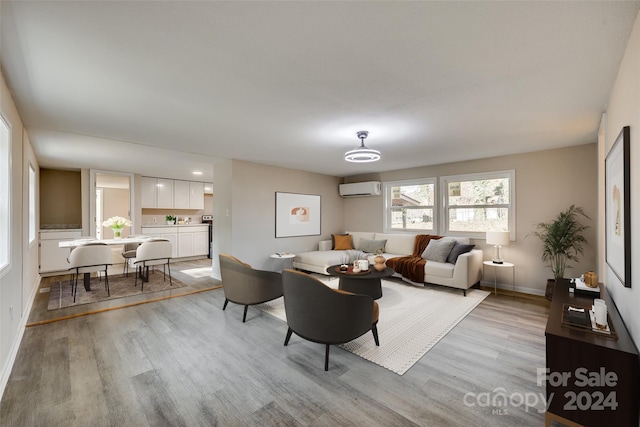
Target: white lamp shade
498	238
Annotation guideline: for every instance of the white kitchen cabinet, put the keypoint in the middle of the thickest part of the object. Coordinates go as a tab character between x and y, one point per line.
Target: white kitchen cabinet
185	244
52	257
157	193
181	195
201	242
196	195
188	195
187	240
164	193
148	198
169	233
193	240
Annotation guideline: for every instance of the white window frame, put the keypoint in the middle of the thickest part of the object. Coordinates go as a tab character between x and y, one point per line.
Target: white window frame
511	206
5	198
32	205
387	204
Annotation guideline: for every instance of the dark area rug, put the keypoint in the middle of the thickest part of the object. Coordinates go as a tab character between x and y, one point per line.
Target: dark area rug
120	286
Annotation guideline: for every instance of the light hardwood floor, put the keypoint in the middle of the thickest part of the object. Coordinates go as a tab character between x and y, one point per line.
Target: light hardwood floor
185	362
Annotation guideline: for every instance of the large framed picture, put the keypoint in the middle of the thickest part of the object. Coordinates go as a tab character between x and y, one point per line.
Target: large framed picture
618	207
297	215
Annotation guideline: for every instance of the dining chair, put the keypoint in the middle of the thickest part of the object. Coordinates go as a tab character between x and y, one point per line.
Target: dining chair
247	286
324	315
86	240
87	259
128	251
150	254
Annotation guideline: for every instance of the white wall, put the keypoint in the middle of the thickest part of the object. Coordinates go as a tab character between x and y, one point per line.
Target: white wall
547	182
31	253
222	213
19	282
244	212
624	110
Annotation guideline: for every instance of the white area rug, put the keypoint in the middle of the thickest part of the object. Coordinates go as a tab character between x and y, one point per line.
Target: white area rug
412	320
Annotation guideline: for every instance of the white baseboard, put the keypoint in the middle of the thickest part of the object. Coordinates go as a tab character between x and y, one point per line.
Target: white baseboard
520	289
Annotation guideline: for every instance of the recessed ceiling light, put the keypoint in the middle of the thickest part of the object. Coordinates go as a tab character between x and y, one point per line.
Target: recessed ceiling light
197	173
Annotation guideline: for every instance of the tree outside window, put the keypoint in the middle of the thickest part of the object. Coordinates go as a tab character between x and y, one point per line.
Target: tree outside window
411	205
478	202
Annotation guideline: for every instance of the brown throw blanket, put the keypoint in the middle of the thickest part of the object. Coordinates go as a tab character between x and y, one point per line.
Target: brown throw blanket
412	267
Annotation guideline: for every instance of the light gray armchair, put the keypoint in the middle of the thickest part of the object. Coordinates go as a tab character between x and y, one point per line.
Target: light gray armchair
246	286
324	315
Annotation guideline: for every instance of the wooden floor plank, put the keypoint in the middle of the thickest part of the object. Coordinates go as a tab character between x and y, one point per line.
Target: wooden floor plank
184	361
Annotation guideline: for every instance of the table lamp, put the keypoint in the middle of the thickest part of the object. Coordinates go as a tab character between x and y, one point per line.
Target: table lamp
498	239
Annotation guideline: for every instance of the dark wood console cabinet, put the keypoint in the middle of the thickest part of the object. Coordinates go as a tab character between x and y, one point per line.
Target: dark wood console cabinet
592	380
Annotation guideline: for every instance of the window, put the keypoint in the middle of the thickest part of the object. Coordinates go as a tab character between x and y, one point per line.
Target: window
476	203
32	204
5	181
410	205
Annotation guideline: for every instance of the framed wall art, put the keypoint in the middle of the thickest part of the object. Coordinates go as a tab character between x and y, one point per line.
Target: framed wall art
618	207
297	215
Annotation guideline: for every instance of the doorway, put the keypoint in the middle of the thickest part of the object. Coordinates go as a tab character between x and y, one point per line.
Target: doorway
111	196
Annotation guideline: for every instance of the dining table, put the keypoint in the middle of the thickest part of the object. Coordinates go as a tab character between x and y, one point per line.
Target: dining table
113	242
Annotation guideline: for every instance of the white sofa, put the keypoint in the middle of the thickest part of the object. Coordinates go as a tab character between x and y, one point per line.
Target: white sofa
466	272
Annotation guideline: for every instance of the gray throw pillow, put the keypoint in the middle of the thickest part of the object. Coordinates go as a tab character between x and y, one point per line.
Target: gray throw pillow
371	246
438	250
458	249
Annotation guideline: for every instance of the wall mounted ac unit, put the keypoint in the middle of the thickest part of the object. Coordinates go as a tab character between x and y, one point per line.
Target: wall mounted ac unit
361	189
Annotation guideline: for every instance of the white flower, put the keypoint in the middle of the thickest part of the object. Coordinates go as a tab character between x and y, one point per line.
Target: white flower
117	222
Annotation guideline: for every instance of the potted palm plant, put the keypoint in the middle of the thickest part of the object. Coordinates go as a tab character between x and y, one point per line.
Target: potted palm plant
562	241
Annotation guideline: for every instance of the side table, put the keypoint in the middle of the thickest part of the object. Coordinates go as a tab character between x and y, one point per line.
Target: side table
495	274
285	255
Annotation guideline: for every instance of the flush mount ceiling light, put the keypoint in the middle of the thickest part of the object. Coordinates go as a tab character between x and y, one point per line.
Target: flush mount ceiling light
362	154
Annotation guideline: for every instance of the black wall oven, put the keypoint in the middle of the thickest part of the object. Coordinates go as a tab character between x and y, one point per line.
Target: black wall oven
208	219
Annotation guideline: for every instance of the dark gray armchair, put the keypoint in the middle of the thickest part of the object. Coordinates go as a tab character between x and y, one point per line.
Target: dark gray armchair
246	286
328	316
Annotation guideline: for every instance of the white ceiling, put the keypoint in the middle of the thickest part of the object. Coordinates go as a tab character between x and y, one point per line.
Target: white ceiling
105	84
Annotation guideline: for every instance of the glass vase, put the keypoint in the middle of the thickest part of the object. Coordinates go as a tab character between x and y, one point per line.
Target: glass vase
117	233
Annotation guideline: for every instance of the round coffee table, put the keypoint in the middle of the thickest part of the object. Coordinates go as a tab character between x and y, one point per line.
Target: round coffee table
361	283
